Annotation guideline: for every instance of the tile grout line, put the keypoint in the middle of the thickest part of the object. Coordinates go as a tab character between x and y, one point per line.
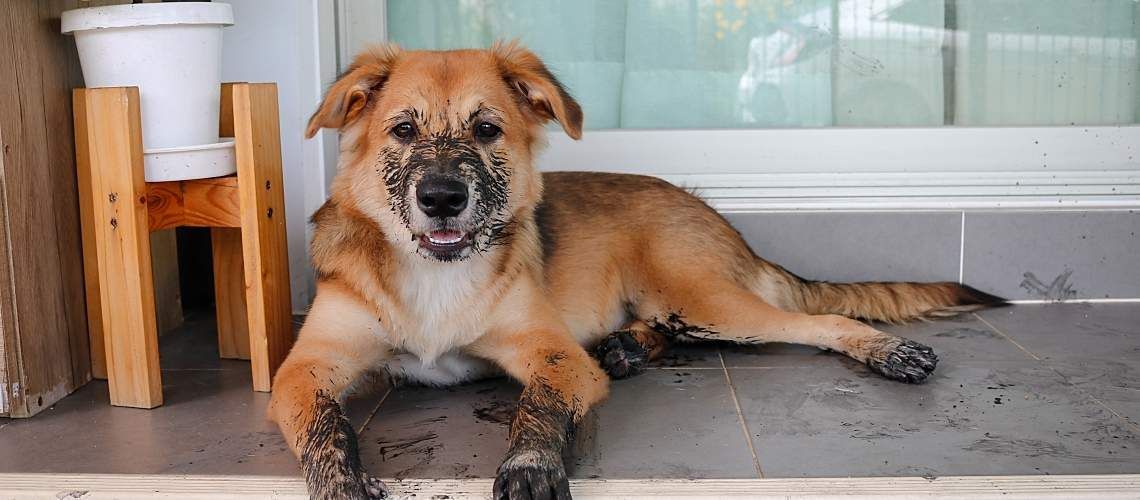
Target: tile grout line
962	251
1128	423
373	412
740	416
1007	337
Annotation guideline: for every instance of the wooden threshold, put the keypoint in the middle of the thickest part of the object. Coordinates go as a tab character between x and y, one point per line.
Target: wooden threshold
129	486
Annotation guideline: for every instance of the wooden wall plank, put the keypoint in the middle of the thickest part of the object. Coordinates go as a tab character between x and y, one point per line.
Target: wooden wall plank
58	78
41	318
9	352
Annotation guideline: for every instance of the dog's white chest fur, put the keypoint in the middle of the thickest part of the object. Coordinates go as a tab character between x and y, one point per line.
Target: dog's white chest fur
443	304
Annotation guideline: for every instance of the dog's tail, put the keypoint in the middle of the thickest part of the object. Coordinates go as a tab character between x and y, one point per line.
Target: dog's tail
891	302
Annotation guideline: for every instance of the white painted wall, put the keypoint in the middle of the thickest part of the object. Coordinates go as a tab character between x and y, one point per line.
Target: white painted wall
291	43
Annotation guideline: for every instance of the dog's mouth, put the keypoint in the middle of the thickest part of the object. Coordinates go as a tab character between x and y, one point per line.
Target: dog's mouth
446	243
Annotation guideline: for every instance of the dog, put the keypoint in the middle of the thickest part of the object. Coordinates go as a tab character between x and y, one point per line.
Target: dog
442	247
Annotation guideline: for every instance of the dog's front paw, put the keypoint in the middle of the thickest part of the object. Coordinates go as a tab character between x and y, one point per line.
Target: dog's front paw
532	474
362	487
907	361
621	356
375	488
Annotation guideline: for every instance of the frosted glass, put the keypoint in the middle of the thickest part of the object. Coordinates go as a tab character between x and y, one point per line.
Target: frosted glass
812	63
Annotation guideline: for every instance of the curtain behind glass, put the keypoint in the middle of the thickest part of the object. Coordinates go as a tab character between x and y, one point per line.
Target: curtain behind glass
811	63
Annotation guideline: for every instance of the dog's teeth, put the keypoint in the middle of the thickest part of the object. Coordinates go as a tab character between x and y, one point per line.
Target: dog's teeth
446	239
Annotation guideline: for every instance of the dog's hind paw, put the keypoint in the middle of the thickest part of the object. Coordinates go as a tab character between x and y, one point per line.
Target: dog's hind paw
908	361
621	356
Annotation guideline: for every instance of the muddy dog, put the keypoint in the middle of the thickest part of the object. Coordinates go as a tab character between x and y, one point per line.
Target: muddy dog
442	250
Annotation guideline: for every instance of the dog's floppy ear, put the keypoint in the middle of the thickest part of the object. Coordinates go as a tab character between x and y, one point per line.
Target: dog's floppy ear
350	94
540	91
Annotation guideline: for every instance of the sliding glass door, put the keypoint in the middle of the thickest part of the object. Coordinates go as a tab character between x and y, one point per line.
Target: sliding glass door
833	103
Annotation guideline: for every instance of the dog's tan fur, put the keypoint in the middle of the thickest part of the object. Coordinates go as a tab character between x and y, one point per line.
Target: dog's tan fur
587	254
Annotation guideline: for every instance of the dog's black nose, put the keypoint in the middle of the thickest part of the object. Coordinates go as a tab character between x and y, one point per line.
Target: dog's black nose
441	196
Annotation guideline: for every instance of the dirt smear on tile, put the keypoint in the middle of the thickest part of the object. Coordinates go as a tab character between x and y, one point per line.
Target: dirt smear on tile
1057	290
678	360
422	444
1033	448
966	333
495	411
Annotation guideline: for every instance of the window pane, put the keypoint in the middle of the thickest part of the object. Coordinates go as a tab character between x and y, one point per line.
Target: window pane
812	63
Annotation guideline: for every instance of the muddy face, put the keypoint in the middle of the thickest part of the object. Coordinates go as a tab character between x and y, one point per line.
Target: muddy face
438	147
450	189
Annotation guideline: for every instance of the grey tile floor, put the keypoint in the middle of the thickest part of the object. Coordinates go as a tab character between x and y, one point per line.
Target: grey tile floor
1023	390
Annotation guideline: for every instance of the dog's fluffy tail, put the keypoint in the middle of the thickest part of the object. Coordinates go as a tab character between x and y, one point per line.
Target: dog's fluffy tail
891	302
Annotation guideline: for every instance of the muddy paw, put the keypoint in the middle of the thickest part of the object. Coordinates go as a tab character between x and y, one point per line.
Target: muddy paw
621	355
908	362
365	488
375	488
532	475
332	484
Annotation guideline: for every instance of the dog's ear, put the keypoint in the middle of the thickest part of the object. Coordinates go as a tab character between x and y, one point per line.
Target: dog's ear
536	86
350	94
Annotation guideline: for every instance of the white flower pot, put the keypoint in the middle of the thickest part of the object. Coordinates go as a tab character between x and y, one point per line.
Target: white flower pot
172	52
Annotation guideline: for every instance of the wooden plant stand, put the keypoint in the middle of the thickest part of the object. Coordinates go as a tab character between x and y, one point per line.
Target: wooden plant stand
246	216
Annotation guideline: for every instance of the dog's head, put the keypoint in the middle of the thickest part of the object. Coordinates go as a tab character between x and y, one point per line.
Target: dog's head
438	147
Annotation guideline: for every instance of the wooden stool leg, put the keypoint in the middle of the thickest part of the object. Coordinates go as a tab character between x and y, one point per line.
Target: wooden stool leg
113	133
229	293
258	152
90	250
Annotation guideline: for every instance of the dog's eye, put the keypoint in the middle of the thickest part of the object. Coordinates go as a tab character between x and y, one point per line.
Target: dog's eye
487	131
404	131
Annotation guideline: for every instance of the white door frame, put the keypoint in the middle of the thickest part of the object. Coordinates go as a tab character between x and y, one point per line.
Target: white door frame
875	168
